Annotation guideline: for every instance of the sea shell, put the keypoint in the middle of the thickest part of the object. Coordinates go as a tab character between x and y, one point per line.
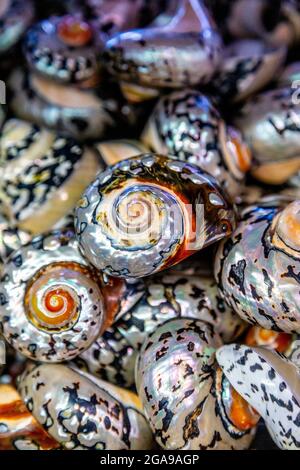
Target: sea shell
15	17
271	384
18	428
52	305
114	151
65	49
184	52
247	66
11	238
166	296
187	125
42	175
138	216
257	269
78	113
182	390
80	412
270	125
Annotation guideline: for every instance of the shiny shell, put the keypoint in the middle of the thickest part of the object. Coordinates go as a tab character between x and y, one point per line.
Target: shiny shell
139	216
257	269
15	17
65	49
180	389
11	238
81	412
270	383
270	125
184	52
69	110
51	300
18	428
42	175
187	125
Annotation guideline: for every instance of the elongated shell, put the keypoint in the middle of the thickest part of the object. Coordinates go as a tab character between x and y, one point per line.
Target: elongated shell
271	384
42	175
81	412
187	125
181	393
183	53
18	428
138	216
51	300
257	269
270	125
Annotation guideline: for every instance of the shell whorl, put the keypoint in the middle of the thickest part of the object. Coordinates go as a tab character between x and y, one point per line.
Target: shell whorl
140	215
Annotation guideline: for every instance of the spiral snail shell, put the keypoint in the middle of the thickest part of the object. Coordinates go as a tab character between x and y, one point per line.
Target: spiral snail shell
184	52
185	397
270	383
18	428
64	49
138	216
270	125
80	412
52	306
15	17
187	125
257	269
42	175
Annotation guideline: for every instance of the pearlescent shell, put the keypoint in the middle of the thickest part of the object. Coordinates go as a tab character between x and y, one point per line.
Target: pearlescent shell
187	125
175	378
270	125
77	113
271	384
15	17
48	54
42	176
247	66
185	52
18	428
51	300
81	412
257	268
137	217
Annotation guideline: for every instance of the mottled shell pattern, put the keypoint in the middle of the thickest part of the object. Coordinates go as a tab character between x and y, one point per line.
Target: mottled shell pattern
271	384
52	305
81	412
270	125
11	238
140	215
183	52
42	175
257	268
187	125
15	17
165	296
18	428
180	386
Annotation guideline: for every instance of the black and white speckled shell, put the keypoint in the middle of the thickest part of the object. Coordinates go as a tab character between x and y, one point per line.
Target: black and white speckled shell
176	381
258	271
271	384
24	270
81	412
187	125
11	238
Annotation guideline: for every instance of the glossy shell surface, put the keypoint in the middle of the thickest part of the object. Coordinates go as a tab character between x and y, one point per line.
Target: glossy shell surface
138	216
81	412
51	300
270	383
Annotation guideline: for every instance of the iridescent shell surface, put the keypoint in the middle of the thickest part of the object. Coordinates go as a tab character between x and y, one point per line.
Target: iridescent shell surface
271	384
140	215
178	383
257	268
187	125
52	306
81	412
